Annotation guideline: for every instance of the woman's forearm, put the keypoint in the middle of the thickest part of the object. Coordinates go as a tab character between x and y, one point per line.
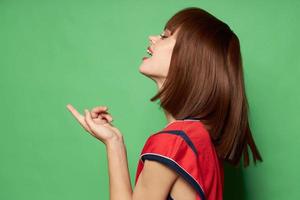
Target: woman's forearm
119	178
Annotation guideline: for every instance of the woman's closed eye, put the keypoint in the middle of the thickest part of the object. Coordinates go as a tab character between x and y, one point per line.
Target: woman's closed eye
162	36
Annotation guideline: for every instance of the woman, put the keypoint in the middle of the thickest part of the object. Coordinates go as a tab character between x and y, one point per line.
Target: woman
197	66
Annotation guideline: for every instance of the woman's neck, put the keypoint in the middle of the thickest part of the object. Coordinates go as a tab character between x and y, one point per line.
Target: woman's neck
169	117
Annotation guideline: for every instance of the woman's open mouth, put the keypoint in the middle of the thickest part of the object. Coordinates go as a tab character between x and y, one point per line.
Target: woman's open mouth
149	52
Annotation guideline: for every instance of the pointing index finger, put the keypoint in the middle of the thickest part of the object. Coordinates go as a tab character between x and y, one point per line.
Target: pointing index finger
74	111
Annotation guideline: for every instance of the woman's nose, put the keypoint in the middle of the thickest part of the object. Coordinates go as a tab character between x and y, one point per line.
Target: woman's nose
153	39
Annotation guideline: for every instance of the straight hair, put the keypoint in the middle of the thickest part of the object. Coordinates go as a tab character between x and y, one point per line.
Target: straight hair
205	80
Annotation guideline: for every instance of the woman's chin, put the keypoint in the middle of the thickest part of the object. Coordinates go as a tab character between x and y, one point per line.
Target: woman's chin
146	70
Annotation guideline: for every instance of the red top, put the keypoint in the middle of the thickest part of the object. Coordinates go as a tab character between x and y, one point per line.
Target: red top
185	146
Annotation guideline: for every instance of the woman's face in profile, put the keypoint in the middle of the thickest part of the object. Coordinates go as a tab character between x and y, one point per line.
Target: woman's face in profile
161	47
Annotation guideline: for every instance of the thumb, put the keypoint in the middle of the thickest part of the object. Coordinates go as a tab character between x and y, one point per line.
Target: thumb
89	120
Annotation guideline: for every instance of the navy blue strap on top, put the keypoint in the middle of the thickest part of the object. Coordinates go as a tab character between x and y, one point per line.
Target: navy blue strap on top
192	118
169	197
188	117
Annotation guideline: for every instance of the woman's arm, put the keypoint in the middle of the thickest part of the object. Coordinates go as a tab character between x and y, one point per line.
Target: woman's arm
155	180
119	178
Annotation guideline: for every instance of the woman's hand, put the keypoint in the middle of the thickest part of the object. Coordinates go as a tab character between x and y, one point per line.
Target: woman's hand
97	123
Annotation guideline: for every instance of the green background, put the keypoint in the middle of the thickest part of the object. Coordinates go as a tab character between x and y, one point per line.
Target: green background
87	53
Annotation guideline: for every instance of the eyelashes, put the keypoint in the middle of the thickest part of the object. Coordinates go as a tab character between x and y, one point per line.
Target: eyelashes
162	36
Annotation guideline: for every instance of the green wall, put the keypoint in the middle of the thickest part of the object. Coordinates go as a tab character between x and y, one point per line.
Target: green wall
87	53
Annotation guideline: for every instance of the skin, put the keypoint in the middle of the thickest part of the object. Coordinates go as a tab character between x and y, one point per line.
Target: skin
156	180
156	67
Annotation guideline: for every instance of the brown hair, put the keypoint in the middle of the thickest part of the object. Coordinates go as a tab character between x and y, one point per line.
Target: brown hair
205	80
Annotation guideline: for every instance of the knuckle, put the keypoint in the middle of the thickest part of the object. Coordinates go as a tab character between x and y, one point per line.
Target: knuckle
99	108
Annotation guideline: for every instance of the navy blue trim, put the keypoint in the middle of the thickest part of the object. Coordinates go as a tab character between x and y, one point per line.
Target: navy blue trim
184	136
189	117
173	165
169	197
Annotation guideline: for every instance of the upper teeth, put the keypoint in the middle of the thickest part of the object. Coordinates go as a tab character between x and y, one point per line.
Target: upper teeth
149	52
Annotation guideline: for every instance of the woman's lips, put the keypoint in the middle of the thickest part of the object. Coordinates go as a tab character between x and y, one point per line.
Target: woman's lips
150	50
